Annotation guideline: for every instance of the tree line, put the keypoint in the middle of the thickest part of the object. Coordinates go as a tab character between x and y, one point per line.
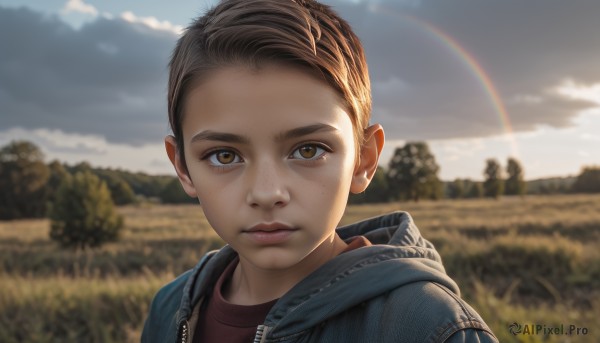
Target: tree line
28	185
412	174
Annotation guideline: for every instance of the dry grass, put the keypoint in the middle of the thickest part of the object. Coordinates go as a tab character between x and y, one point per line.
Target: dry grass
152	222
526	260
24	230
65	309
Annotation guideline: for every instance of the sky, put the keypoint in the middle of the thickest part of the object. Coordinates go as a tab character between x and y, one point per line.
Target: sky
87	80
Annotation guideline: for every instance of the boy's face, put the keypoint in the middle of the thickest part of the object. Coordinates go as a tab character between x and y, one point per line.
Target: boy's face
273	146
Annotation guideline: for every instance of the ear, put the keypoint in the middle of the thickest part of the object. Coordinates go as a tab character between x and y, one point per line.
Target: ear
180	167
369	157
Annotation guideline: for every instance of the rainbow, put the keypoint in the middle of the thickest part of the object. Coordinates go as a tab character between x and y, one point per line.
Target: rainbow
470	63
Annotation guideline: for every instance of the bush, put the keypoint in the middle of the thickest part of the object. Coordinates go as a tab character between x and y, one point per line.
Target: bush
83	214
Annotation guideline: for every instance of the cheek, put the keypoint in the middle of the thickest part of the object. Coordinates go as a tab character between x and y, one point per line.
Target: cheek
333	184
216	199
217	217
209	183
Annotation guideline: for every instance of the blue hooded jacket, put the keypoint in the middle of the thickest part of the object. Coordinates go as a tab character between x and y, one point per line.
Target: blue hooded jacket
393	291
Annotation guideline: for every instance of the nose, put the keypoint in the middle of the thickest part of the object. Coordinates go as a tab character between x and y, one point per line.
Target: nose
267	187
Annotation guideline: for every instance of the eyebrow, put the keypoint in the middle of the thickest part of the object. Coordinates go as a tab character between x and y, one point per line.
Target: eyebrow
210	135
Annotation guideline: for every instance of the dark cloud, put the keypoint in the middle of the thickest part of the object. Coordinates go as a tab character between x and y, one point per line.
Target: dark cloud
109	77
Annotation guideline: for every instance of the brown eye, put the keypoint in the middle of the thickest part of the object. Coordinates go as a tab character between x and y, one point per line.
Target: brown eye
308	151
225	157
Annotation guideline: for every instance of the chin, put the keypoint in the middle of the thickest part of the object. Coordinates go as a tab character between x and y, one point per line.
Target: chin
275	259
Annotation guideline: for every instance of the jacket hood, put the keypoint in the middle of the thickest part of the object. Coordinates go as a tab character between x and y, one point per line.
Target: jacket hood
399	256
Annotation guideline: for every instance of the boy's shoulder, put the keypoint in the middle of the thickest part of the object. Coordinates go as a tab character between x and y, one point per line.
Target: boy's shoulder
422	311
378	294
432	311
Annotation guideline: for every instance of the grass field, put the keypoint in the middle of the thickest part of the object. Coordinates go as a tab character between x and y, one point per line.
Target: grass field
530	261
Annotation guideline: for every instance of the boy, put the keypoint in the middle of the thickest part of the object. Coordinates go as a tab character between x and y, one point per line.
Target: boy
269	103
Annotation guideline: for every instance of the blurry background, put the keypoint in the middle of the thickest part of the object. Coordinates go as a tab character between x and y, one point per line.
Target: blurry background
492	119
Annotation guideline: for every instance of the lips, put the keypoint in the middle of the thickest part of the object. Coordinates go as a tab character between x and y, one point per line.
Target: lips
269	233
269	227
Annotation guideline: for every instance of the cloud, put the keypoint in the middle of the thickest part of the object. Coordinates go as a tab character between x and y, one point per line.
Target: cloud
79	6
75	148
58	141
577	91
583	153
590	137
152	22
453	150
107	78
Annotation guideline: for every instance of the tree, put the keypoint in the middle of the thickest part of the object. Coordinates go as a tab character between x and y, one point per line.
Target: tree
493	185
120	191
515	183
81	167
23	177
58	174
83	214
588	181
456	189
173	193
149	186
474	189
377	192
412	173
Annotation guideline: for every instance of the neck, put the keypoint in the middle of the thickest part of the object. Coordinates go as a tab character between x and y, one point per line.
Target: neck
252	285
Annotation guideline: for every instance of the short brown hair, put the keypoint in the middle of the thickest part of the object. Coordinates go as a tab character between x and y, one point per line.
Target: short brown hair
299	33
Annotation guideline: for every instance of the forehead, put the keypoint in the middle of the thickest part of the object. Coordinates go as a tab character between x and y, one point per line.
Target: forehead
273	96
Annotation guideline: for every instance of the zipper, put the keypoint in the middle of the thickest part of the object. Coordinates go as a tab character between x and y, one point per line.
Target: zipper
183	333
261	334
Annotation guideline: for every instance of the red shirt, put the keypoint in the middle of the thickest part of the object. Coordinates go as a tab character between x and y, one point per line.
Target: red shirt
221	321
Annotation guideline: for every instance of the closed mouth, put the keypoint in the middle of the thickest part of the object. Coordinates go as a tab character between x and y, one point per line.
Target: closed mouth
269	227
270	234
